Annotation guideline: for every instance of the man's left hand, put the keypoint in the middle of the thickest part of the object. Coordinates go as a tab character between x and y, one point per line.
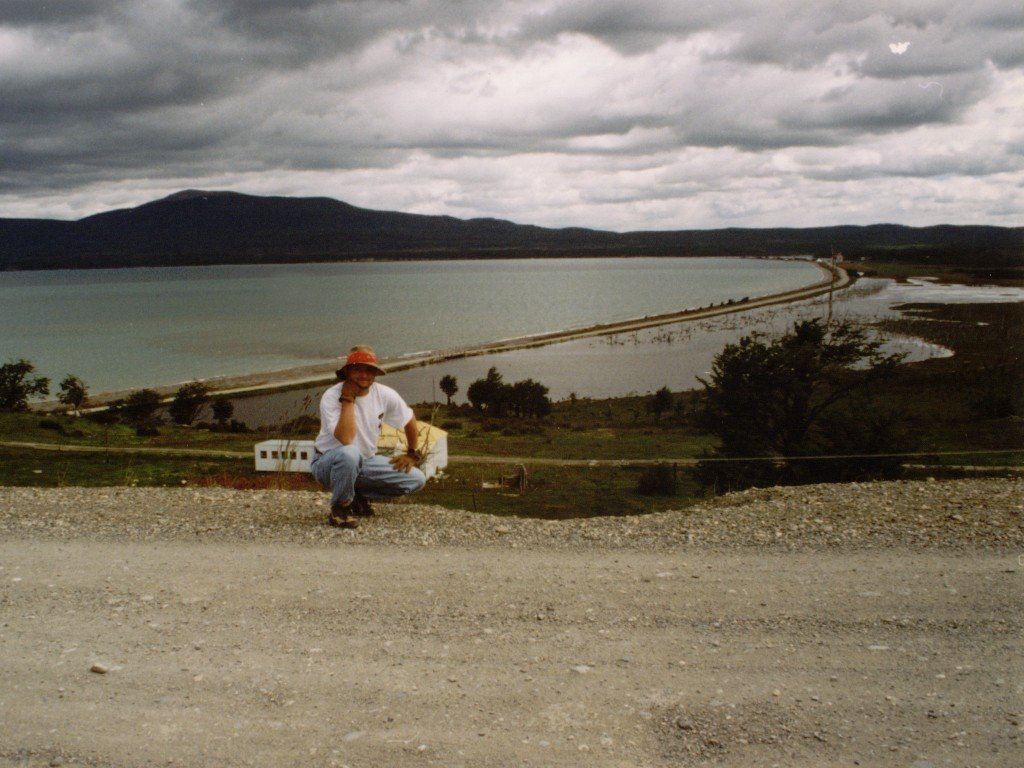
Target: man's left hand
403	463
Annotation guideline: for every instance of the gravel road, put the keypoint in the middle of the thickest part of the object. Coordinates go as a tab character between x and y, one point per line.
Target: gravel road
864	624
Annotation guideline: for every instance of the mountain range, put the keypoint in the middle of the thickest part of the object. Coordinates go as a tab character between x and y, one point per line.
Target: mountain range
203	227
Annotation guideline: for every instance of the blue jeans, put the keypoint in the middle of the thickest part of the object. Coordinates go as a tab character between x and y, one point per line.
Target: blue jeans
345	471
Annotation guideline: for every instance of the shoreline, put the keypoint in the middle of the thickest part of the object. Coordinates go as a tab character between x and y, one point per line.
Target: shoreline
283	380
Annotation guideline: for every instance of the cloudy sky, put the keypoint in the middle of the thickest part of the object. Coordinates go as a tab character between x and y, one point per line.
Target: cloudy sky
615	114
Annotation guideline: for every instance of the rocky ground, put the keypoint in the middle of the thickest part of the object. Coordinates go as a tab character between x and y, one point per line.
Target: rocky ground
862	624
963	514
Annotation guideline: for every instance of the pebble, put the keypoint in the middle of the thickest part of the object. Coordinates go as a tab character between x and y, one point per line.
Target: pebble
845	516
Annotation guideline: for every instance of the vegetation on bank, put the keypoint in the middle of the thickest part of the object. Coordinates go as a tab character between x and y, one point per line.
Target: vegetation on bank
964	273
970	403
802	399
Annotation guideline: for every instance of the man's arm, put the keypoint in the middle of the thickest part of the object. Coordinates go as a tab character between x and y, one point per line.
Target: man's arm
345	429
411	457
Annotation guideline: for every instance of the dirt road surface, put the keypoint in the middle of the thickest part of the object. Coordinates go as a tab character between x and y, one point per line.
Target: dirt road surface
169	652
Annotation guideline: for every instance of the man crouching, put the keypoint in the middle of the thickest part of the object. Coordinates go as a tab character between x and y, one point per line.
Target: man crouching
346	460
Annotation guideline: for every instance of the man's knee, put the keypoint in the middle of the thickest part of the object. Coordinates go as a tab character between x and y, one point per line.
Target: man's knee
403	483
336	459
346	454
416	480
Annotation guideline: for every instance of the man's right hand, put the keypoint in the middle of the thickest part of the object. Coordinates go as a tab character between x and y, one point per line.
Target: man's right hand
350	390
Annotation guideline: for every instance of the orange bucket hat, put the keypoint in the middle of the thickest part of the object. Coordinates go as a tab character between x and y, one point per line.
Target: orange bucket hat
361	355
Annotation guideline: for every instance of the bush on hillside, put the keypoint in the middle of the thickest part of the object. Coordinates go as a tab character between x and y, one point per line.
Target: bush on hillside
800	409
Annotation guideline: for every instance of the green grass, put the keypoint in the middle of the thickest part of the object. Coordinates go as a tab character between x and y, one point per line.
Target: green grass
66	429
553	492
941	272
584	429
946	399
60	469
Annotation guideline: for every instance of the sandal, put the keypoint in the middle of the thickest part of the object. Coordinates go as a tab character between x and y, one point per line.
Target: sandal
361	506
337	520
341	517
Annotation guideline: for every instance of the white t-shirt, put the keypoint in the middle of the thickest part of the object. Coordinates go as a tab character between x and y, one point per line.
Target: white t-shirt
381	405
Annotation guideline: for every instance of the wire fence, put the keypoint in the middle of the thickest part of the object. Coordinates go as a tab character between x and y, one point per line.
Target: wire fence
468	459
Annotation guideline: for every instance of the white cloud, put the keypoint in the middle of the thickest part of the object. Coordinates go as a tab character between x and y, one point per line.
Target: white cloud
595	113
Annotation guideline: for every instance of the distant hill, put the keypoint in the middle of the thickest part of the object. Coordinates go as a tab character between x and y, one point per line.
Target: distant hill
199	227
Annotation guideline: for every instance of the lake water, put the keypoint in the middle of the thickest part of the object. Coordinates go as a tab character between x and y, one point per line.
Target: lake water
640	362
133	328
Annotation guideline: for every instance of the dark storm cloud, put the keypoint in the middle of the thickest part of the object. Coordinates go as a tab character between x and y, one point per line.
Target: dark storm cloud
630	27
474	97
50	11
294	34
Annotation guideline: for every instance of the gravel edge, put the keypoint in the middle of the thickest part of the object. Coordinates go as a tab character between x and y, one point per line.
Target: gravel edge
955	514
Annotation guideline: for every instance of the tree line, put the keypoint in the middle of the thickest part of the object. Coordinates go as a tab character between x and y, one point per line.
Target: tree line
19	383
493	397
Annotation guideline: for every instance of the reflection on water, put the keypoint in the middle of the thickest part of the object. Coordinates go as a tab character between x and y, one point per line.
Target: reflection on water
637	362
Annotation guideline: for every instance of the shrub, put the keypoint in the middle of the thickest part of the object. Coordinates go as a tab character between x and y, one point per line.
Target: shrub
17	384
808	393
104	418
138	408
660	402
223	410
657	480
73	393
496	398
188	402
449	385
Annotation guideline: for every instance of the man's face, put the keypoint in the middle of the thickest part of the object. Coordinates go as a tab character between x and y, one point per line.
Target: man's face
361	375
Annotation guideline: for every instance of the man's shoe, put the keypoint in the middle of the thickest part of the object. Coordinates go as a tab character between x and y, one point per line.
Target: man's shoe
341	517
361	506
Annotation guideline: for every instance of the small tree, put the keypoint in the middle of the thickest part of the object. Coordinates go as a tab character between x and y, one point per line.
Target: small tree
660	402
657	480
805	394
223	409
139	407
496	398
188	402
449	385
73	393
488	394
997	392
17	384
529	398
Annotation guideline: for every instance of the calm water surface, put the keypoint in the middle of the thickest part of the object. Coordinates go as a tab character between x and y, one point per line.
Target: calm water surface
640	362
132	328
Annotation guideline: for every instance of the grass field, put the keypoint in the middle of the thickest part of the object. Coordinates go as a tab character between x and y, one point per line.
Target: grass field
958	274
